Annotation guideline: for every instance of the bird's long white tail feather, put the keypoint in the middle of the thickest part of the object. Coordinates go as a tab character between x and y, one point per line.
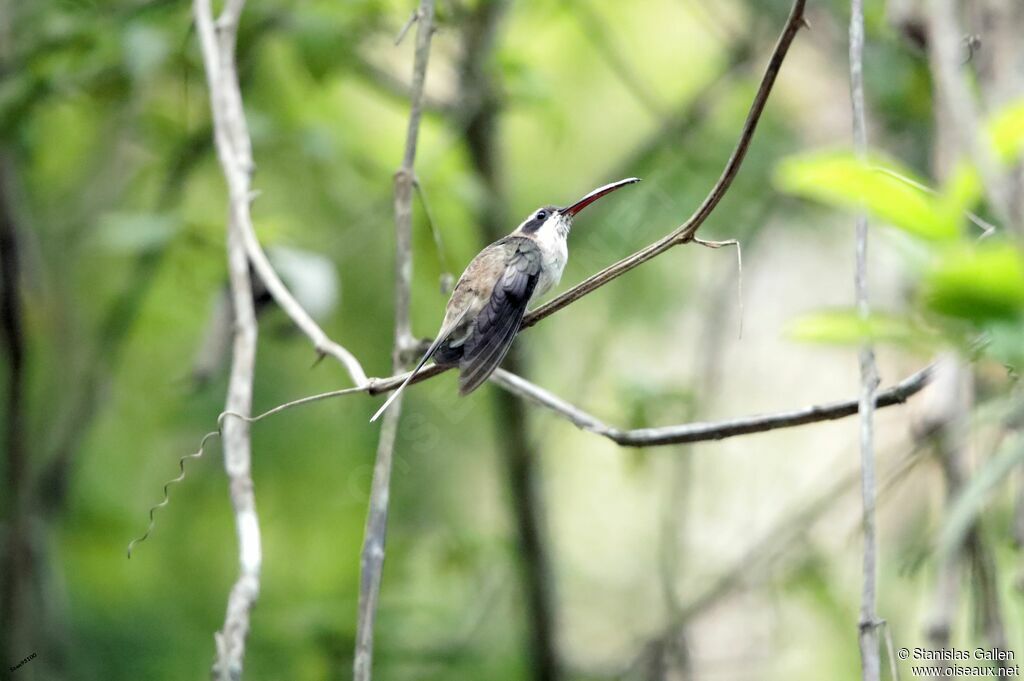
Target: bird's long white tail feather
441	337
394	395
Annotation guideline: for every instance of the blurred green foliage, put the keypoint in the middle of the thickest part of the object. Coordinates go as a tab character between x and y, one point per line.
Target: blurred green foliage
964	278
121	207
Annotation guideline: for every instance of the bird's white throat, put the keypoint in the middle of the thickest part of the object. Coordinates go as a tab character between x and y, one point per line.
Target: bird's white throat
552	238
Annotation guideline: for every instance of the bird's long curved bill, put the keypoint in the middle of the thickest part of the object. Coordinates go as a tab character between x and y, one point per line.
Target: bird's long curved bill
596	194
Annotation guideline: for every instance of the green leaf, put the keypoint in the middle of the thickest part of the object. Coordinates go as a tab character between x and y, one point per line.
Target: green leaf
978	283
847	327
881	189
1006	132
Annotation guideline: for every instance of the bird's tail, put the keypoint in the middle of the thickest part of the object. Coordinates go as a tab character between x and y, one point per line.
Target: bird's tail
442	336
427	355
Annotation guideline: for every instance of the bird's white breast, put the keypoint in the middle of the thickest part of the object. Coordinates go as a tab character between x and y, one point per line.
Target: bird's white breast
554	254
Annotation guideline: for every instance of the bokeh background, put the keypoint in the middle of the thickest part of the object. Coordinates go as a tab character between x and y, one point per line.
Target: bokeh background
731	560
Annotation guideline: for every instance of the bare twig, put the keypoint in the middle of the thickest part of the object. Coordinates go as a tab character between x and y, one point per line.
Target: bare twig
712	430
686	231
283	297
406	26
234	149
447	278
646	437
739	271
868	626
375	534
642	437
234	140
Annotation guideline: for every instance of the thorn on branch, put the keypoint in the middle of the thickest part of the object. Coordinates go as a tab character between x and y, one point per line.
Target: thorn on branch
447	279
408	24
972	43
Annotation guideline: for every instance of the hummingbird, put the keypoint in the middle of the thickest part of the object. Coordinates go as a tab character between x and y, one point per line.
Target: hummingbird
489	301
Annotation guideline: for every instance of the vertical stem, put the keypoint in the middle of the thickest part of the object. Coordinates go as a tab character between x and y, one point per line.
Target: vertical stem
868	625
234	150
237	463
375	534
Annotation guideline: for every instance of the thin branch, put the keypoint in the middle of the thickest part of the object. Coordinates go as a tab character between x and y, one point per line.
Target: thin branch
375	534
712	430
237	462
447	278
234	149
283	297
739	270
869	622
642	437
646	437
686	231
234	141
405	27
664	435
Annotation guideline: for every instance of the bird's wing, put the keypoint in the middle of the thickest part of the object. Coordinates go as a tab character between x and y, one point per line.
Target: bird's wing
497	323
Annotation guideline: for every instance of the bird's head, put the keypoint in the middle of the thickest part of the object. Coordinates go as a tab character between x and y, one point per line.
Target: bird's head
551	220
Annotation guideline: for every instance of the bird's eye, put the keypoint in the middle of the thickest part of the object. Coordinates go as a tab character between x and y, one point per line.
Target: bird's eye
542	215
